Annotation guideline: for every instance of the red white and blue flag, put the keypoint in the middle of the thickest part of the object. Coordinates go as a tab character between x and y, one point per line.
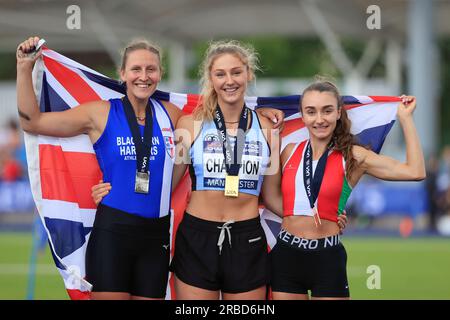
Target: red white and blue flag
63	170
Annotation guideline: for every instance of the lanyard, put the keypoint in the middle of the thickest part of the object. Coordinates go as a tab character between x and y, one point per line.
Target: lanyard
142	145
313	183
231	161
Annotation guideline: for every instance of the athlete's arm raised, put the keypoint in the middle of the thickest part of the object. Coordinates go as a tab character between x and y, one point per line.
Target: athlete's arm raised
85	118
387	168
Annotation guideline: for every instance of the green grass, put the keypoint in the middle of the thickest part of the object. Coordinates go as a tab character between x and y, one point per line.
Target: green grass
409	268
15	255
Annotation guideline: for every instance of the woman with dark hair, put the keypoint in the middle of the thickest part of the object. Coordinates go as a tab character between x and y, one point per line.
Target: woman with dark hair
318	176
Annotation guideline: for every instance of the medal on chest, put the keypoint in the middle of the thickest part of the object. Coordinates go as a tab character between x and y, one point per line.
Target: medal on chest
312	182
142	182
231	186
233	160
143	145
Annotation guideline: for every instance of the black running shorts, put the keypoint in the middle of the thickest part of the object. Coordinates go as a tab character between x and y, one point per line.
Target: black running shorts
207	257
128	253
318	265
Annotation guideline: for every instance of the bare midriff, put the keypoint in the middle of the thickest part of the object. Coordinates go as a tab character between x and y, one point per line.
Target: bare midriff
304	227
215	206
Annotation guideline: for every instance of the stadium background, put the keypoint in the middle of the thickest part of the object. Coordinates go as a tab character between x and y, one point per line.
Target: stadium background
402	228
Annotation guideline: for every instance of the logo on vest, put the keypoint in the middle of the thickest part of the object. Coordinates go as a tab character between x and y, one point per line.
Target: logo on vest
127	149
168	141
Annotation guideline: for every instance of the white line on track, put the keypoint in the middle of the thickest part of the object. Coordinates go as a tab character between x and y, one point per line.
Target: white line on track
24	269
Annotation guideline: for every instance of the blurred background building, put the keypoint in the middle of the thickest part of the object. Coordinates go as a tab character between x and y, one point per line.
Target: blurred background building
370	47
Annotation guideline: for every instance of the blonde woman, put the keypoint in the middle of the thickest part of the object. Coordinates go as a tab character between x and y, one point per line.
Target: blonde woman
221	249
127	256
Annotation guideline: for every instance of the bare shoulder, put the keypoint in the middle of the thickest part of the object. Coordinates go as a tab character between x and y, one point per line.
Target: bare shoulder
186	121
104	103
170	106
265	122
96	104
185	129
286	153
288	149
96	109
173	111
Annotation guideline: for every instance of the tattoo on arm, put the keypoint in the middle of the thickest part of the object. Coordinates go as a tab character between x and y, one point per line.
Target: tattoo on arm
24	115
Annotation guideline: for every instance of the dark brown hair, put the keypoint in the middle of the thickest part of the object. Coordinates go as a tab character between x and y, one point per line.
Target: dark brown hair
342	139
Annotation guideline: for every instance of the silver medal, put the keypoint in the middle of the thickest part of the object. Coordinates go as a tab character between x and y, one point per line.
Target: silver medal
142	182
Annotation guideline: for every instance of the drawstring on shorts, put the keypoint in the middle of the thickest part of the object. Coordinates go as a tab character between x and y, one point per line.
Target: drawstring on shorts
226	226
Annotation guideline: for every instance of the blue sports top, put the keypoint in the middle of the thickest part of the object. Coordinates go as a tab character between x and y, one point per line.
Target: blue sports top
116	155
207	168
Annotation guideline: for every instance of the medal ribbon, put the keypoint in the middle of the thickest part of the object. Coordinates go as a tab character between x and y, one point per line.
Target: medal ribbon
142	145
231	161
313	182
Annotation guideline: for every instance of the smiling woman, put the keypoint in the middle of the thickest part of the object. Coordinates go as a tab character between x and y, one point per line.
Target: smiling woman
318	176
127	255
229	78
141	71
221	249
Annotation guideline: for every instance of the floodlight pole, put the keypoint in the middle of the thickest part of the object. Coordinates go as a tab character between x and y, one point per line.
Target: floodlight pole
423	77
177	72
103	31
353	75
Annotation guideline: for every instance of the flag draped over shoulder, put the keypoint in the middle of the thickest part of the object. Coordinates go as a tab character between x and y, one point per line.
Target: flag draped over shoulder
63	170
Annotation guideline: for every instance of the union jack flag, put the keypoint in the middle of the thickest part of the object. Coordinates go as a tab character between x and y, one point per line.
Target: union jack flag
63	170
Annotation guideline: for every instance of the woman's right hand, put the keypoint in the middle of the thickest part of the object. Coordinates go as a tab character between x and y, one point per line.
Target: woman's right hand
342	222
24	51
100	190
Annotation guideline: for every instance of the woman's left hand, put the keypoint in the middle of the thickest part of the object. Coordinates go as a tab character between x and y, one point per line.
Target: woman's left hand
274	115
406	107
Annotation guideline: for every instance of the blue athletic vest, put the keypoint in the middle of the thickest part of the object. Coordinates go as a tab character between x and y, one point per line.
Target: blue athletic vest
207	167
116	155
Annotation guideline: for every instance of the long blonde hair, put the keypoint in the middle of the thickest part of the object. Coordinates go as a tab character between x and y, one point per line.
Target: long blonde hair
208	102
